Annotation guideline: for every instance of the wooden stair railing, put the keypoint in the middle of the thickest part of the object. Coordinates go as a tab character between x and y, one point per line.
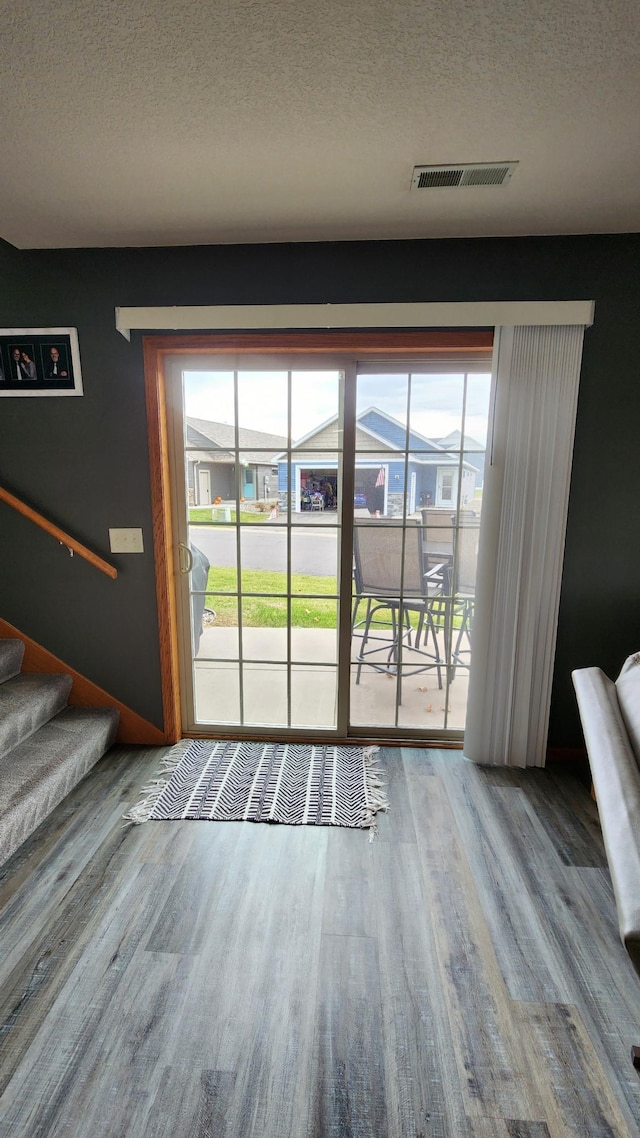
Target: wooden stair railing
64	538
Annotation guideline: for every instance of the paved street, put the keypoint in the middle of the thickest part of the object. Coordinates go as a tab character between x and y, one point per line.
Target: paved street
313	550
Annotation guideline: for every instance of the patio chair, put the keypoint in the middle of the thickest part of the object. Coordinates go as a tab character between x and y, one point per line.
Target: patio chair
438	534
463	591
394	582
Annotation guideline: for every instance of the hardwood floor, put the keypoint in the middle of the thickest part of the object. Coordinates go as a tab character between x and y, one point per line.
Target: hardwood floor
460	977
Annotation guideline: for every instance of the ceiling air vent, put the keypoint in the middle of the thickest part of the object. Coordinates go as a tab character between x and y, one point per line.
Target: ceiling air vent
478	174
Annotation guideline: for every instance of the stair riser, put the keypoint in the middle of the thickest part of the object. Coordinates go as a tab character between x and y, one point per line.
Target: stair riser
46	767
26	703
11	655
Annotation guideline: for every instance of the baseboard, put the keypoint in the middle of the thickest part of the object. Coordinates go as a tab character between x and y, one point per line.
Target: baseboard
133	728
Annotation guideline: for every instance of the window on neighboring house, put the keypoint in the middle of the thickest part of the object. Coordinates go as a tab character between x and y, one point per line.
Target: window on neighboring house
446	491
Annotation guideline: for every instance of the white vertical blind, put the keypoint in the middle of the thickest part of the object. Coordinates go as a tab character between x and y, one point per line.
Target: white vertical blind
522	543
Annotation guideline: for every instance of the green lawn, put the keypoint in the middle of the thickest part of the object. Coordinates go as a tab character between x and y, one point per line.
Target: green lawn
271	612
204	514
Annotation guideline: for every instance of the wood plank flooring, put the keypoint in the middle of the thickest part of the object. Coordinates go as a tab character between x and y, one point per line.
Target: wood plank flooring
459	977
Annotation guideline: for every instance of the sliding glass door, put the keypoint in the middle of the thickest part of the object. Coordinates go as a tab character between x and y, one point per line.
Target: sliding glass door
259	554
326	517
421	433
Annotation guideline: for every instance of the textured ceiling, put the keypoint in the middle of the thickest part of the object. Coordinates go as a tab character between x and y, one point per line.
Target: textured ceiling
162	123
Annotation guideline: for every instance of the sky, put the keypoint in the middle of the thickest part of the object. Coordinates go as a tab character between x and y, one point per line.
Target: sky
436	400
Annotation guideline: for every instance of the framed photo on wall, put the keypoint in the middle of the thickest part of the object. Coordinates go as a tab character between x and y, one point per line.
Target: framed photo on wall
39	361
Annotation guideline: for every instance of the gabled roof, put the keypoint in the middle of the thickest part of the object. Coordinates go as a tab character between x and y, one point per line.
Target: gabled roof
223	436
439	458
395	423
334	419
453	439
375	435
316	431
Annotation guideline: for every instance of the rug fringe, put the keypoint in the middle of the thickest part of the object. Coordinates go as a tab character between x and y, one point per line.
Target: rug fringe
377	797
150	793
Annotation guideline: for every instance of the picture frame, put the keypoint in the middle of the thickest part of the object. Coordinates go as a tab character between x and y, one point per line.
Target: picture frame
38	362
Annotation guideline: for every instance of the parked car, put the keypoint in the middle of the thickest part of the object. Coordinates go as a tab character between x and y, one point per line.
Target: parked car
360	501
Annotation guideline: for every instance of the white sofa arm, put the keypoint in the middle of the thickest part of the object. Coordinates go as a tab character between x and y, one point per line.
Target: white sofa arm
616	779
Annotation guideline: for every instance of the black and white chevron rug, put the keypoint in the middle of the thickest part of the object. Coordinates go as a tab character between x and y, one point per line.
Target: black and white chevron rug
300	785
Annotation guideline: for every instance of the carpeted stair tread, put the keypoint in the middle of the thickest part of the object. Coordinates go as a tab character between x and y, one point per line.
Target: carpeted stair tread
43	769
11	653
26	702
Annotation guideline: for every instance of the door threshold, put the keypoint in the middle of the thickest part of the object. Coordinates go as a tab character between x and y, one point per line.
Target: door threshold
208	732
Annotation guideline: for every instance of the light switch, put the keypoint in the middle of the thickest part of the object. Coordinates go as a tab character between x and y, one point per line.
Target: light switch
126	541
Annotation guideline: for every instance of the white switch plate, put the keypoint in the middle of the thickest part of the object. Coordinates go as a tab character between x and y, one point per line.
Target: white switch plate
126	541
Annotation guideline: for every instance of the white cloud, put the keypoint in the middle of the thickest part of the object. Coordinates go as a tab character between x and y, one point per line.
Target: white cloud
436	400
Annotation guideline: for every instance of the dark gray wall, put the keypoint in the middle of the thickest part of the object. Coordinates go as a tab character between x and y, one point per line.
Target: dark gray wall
84	461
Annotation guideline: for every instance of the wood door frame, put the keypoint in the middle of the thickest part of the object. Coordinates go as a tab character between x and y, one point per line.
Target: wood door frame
419	344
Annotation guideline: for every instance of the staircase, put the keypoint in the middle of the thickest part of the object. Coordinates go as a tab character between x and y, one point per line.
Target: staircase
46	747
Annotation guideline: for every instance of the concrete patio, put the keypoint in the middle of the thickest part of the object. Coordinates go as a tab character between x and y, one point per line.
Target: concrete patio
313	683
